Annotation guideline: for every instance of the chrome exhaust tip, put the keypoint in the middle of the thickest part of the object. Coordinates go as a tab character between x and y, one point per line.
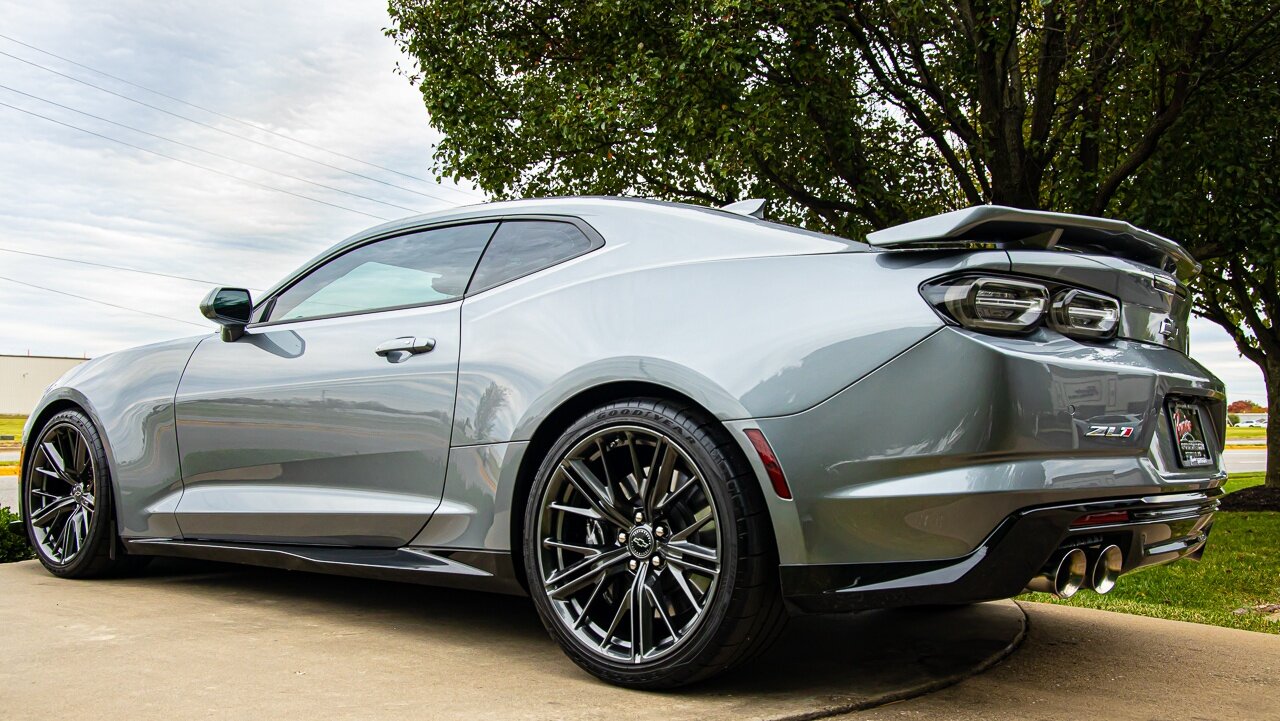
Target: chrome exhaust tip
1063	576
1106	569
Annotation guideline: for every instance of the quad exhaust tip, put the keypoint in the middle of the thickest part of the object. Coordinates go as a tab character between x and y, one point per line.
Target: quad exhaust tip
1064	575
1106	569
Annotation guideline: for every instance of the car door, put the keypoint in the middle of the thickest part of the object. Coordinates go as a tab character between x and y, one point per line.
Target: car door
329	420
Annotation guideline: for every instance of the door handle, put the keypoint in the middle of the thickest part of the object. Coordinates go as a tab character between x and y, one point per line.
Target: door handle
405	344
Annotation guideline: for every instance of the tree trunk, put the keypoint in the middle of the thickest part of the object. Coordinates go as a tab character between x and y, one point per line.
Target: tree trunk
1272	375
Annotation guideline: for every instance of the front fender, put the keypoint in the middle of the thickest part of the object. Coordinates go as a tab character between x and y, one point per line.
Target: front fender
129	397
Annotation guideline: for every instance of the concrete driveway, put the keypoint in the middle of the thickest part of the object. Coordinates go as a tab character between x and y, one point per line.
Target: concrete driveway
210	641
1082	664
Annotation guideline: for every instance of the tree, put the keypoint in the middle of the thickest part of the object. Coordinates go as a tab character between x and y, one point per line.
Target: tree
1244	406
857	115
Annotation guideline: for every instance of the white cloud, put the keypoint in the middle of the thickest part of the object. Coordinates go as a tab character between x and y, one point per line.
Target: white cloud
319	72
1214	348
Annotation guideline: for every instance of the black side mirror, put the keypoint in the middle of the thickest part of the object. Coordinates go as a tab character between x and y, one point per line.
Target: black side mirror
229	308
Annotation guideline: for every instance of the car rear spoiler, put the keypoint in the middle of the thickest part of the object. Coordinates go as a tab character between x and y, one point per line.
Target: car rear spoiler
1015	228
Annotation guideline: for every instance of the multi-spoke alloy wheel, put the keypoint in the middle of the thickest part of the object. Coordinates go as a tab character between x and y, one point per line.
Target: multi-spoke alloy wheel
644	536
66	500
60	493
630	543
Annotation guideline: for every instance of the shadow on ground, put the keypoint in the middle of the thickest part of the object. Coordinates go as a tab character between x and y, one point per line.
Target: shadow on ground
456	652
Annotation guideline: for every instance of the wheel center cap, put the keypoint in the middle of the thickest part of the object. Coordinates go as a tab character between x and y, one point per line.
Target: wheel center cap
640	542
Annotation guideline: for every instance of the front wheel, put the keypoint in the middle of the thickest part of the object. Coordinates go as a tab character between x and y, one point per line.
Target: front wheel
648	548
67	502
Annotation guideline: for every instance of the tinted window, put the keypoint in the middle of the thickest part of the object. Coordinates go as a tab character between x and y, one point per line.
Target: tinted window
523	246
426	267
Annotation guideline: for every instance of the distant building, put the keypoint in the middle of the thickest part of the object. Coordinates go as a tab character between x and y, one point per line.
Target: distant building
24	377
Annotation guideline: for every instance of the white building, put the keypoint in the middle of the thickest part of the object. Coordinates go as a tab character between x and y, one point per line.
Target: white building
24	377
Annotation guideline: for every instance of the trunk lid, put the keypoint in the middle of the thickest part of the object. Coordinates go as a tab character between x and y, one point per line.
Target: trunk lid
1146	272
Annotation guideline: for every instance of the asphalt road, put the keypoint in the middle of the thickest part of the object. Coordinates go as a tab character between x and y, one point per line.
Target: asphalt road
1244	461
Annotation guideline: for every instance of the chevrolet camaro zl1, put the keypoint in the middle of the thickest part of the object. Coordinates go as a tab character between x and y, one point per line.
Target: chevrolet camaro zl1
671	426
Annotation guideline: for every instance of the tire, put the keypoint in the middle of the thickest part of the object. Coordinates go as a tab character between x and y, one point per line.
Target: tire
68	508
685	539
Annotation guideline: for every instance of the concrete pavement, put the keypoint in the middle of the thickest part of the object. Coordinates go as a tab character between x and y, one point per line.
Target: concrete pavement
210	641
1082	664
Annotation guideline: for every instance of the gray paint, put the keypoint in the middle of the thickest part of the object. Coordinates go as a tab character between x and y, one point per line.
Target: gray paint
129	396
298	433
981	426
964	224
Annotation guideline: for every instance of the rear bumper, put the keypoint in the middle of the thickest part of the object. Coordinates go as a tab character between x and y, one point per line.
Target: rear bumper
956	468
1161	529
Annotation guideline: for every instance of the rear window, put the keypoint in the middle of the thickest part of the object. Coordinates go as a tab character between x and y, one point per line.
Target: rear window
521	247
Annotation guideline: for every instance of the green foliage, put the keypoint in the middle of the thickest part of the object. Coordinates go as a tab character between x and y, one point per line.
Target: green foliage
1240	573
1240	570
1238	481
12	547
857	115
1233	419
1234	433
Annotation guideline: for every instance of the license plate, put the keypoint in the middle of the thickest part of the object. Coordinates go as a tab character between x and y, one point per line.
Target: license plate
1188	434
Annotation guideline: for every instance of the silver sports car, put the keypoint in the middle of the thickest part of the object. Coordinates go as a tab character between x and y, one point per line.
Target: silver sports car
671	426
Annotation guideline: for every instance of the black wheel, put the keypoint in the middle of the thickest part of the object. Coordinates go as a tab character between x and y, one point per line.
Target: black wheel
648	548
67	503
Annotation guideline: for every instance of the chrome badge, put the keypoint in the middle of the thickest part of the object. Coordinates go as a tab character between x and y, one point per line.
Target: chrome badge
1097	431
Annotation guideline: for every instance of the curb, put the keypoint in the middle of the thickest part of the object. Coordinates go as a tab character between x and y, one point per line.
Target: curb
922	689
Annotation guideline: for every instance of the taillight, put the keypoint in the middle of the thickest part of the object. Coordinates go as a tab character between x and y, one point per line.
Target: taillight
1080	313
998	304
1002	305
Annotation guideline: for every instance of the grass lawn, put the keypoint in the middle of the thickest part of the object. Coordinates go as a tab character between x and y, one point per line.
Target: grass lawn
1234	433
1240	569
12	426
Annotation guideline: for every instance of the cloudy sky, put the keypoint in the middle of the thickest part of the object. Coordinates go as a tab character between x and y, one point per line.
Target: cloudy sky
320	73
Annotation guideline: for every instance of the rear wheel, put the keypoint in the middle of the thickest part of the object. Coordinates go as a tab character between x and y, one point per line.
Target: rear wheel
67	502
648	549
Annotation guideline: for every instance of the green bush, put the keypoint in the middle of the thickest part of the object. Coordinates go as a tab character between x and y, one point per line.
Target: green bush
1233	419
12	547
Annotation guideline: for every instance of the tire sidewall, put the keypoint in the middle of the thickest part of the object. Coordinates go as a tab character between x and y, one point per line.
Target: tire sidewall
100	527
715	469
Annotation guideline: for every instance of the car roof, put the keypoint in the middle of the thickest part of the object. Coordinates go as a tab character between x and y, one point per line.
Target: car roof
617	218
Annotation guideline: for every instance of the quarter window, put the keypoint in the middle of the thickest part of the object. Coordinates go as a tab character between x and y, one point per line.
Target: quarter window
431	266
521	247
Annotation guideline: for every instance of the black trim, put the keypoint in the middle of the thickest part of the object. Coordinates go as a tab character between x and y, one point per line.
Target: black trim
265	305
1011	556
454	568
315	266
594	239
19	529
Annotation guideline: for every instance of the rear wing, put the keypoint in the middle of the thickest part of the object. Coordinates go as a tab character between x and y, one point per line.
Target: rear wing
1015	228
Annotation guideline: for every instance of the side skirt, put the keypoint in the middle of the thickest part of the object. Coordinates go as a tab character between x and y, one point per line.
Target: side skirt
453	568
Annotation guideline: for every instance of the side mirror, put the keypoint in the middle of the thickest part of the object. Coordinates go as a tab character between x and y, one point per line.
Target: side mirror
229	308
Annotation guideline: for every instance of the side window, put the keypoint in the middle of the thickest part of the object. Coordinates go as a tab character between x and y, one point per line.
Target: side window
424	267
522	246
